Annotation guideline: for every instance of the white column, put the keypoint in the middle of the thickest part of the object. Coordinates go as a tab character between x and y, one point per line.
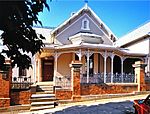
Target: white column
99	63
35	73
148	65
88	66
80	55
122	59
105	58
112	67
39	69
55	68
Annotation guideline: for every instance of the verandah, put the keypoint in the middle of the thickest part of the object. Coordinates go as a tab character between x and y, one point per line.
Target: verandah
90	76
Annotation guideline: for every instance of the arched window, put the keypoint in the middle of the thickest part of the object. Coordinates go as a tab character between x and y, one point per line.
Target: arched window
85	24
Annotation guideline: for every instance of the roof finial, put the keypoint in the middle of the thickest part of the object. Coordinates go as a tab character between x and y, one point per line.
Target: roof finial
86	3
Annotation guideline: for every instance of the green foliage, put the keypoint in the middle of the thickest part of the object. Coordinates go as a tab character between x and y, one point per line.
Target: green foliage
16	22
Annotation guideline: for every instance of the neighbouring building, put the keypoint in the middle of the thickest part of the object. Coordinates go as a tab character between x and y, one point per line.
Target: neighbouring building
138	41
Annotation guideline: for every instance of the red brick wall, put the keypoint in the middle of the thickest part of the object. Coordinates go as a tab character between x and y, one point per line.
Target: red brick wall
20	97
5	89
4	102
147	87
93	89
63	94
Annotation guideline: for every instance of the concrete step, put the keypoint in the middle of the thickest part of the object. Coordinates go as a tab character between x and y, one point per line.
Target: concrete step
41	107
45	83
42	103
44	92
42	95
43	99
47	88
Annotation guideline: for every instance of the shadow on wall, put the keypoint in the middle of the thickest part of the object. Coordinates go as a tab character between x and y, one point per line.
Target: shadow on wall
125	107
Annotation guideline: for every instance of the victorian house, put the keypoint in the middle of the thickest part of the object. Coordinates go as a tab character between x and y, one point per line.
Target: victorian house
107	62
85	37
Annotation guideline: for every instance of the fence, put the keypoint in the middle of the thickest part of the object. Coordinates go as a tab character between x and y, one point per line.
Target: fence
22	82
63	82
115	78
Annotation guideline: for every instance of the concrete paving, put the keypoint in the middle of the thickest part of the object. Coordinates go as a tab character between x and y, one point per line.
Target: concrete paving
121	105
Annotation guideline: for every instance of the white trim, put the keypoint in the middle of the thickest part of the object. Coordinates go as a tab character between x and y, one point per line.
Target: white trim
69	26
107	36
105	65
100	21
94	15
88	57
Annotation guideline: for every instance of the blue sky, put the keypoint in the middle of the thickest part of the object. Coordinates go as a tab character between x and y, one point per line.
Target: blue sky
120	16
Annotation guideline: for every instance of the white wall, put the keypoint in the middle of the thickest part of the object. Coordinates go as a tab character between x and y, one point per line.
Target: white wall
140	47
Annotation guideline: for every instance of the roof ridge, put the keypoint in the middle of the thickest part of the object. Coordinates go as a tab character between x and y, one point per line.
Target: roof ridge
86	7
46	27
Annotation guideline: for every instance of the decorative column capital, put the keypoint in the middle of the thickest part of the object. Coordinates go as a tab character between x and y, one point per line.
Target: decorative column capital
88	53
104	54
79	54
76	65
122	59
57	54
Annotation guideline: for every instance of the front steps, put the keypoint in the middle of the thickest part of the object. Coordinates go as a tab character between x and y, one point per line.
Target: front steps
43	98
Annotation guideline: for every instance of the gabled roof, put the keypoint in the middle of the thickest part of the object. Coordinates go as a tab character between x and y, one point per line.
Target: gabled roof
45	31
140	32
86	8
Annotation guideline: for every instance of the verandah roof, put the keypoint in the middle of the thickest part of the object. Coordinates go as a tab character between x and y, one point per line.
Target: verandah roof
86	46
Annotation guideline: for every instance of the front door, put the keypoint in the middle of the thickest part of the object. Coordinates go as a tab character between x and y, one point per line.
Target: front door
48	70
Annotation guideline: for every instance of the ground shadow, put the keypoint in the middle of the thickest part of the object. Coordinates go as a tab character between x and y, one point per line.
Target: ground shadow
125	107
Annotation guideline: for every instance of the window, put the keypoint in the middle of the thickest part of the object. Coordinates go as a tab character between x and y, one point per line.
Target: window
22	72
85	24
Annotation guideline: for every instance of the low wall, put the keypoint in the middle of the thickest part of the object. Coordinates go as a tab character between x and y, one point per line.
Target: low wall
20	97
4	102
94	89
63	94
147	87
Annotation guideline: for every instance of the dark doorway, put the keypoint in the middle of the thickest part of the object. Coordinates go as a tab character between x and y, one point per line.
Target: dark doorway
117	64
127	65
48	70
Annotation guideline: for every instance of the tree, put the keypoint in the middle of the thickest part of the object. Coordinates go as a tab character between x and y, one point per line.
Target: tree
19	38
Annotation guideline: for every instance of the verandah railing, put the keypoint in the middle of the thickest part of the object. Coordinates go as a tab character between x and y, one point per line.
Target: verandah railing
22	82
64	82
115	78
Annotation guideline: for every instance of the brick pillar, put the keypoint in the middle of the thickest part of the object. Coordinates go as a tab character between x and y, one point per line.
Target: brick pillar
5	81
140	74
75	68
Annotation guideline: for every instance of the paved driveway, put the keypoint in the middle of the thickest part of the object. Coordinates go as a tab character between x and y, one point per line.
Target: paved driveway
125	107
121	105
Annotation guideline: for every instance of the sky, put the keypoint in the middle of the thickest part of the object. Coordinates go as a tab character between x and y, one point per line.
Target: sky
121	16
